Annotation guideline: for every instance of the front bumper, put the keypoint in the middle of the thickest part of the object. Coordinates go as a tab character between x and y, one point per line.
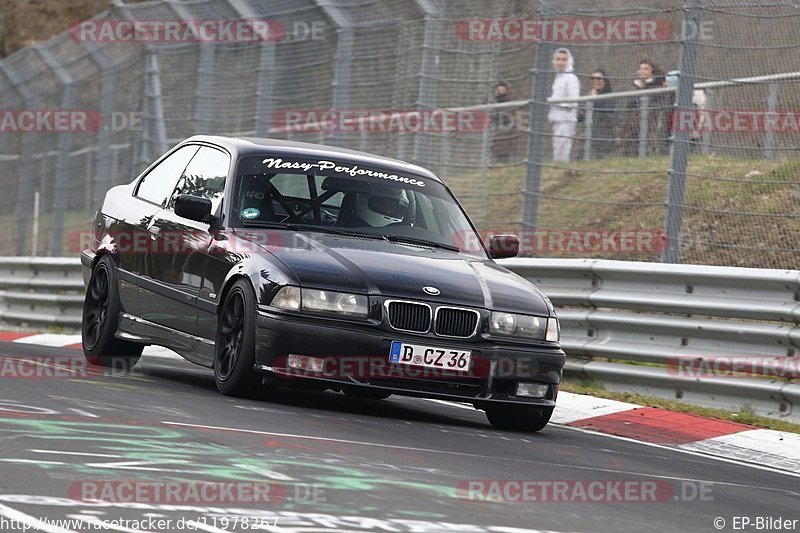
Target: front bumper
357	356
87	260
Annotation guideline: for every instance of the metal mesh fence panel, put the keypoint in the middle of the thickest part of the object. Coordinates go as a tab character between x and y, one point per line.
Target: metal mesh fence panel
674	138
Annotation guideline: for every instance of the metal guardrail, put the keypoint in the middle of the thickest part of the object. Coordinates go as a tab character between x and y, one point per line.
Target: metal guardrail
652	328
723	337
37	292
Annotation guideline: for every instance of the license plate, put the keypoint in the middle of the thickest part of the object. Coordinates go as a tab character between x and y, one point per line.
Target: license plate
430	356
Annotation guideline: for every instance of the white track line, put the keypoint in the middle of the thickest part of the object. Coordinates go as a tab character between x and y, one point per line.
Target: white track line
30	521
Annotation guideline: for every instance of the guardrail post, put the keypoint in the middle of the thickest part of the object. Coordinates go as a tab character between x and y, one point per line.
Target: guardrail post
681	144
587	131
538	122
769	133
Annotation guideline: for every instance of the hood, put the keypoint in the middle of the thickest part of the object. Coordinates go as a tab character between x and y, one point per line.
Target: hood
570	61
396	270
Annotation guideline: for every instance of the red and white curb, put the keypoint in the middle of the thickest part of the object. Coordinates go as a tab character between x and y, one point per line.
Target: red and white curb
731	440
766	447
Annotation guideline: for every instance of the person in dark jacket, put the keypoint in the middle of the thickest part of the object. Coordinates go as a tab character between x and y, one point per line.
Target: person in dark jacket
506	134
602	116
649	76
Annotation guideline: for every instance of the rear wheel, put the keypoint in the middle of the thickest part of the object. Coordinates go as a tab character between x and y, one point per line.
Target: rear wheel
101	309
234	352
519	418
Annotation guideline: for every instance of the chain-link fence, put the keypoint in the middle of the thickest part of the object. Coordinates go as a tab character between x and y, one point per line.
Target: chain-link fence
674	137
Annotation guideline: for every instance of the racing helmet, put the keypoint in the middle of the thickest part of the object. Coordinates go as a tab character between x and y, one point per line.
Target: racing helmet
382	207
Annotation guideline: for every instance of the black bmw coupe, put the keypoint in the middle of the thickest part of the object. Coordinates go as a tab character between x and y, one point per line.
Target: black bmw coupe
280	263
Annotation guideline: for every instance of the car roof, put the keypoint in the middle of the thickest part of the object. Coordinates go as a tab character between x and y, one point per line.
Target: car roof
258	145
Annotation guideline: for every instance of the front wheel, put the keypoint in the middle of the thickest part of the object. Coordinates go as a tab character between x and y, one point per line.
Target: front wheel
234	351
519	418
101	309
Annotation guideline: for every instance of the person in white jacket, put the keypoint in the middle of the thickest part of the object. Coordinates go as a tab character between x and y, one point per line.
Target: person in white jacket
564	116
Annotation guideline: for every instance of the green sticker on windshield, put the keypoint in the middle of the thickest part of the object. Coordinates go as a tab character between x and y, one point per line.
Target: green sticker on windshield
250	212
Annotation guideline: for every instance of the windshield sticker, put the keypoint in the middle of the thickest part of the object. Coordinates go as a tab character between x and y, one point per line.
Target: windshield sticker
355	170
250	212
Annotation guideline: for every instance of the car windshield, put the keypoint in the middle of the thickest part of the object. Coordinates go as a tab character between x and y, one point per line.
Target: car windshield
348	197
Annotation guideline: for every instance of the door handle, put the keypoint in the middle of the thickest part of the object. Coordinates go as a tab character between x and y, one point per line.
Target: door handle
153	230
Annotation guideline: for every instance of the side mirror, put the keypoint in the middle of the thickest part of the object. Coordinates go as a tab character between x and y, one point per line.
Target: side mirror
503	246
193	208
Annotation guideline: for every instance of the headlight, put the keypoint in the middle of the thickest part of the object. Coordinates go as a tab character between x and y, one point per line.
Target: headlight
553	330
287	298
317	301
509	324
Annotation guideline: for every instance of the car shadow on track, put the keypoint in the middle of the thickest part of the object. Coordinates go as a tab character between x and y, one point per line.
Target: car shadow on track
395	407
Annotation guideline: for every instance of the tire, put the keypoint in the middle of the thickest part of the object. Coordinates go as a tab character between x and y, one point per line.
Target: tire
519	418
367	394
234	350
101	309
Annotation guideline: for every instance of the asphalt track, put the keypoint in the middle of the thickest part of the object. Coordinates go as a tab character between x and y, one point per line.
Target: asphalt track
333	463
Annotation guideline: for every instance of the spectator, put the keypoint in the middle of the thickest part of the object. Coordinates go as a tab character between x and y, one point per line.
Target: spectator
563	117
504	127
699	100
602	116
649	76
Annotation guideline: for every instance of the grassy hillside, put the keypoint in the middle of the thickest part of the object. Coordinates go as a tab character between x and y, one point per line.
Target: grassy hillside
738	212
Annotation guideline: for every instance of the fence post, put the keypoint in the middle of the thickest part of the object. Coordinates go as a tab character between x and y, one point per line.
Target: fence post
538	123
155	119
587	131
769	133
644	121
706	133
204	90
681	144
59	203
266	77
344	60
25	167
102	177
426	100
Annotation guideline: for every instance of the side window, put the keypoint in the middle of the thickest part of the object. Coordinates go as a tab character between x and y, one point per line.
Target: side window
159	182
204	176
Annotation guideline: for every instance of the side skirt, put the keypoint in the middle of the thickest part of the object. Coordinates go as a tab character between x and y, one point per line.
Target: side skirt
194	349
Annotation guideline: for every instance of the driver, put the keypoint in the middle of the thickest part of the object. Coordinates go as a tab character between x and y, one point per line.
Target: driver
382	208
